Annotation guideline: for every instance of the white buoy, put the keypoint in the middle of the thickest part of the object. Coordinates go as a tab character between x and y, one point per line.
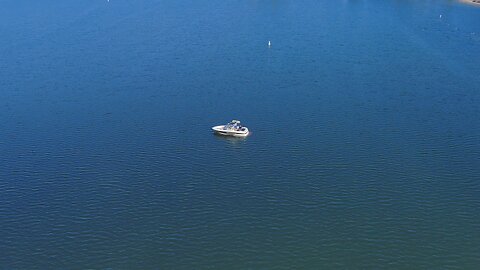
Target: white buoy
440	16
269	43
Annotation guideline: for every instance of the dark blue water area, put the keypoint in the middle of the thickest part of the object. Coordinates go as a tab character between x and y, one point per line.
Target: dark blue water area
364	151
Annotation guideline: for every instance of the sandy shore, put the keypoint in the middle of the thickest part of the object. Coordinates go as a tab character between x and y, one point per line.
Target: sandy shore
471	2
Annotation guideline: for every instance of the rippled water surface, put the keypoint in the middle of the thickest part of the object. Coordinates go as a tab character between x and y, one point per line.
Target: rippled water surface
364	153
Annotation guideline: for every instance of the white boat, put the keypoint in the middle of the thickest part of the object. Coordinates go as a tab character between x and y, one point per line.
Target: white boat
233	128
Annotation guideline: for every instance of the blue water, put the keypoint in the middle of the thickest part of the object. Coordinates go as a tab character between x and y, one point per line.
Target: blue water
364	153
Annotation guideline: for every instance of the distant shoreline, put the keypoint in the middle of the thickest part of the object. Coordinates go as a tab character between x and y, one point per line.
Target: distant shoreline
471	2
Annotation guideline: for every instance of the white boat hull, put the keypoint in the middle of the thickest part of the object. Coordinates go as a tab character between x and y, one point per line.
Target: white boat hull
221	130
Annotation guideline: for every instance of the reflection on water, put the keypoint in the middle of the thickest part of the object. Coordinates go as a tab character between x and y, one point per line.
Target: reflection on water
231	139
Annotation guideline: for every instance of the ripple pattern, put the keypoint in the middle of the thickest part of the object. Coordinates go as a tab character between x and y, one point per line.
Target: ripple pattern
364	151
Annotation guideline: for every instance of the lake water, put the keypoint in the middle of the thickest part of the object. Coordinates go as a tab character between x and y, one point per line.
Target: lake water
364	152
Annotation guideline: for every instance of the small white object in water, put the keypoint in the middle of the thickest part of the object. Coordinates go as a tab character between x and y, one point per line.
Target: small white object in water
269	44
234	128
440	16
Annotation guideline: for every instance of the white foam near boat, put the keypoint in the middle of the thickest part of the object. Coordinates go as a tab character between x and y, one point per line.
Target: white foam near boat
234	128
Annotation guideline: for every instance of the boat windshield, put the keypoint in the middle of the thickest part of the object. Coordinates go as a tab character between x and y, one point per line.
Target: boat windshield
234	125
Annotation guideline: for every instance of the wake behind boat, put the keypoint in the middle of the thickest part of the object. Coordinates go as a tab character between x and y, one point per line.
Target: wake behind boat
234	128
